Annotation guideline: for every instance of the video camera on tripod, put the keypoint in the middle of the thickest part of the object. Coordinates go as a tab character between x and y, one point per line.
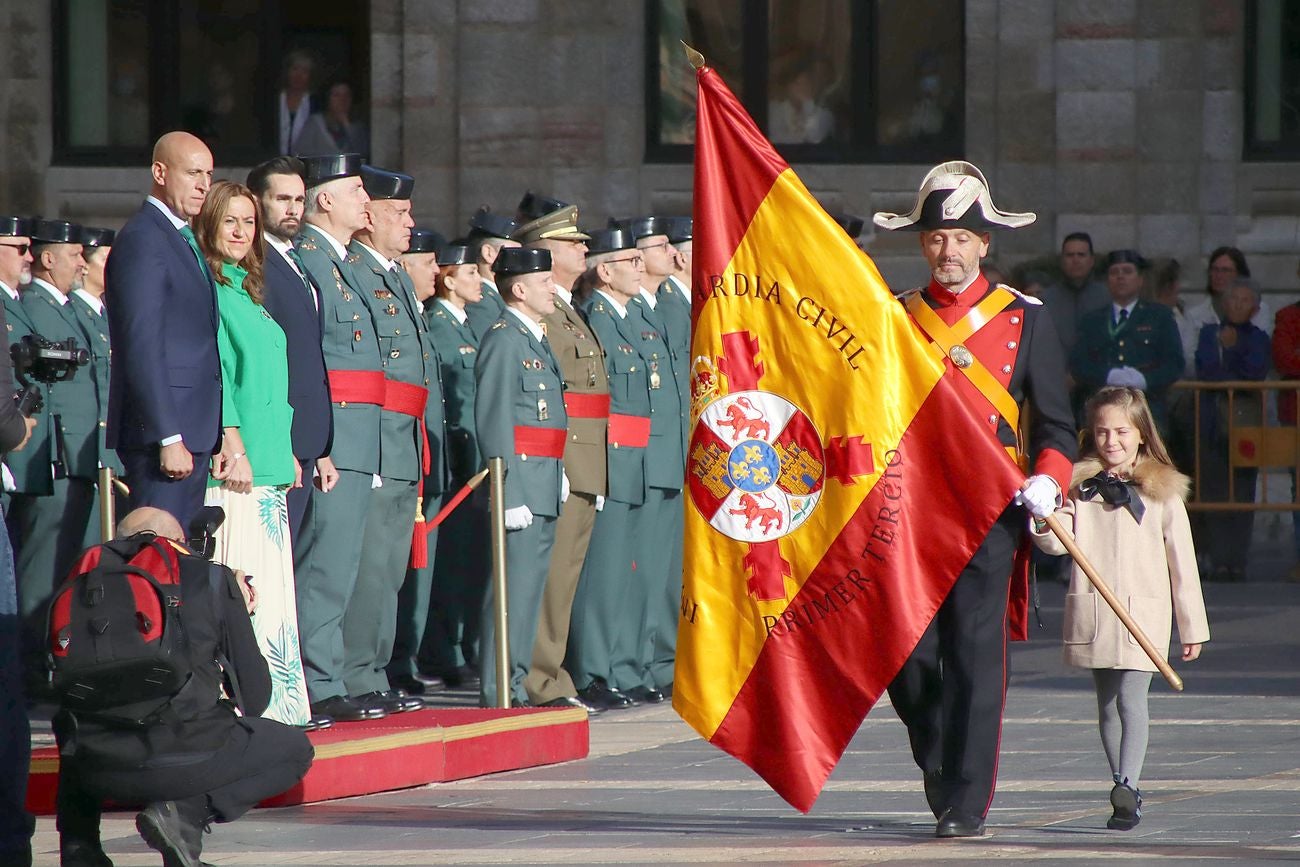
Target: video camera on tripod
46	361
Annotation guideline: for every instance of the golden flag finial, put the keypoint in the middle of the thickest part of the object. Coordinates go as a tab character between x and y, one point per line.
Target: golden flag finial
696	59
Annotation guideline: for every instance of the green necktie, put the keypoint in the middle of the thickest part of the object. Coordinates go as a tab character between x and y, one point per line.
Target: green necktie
297	261
188	234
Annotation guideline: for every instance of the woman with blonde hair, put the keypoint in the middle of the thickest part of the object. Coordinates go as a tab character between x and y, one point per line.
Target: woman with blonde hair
256	466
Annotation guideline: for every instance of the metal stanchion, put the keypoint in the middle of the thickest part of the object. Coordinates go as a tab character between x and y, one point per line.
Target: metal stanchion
107	505
497	512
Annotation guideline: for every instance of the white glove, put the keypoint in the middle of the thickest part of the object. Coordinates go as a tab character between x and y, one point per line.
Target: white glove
564	485
519	518
1040	496
1129	376
600	502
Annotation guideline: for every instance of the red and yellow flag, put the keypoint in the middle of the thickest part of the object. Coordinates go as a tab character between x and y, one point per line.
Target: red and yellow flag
837	482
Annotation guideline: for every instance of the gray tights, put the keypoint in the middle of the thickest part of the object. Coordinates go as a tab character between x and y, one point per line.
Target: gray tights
1123	719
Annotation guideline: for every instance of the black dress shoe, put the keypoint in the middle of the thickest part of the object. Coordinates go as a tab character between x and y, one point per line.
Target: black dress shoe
645	694
78	853
955	824
317	722
599	694
933	781
571	701
344	709
391	700
412	685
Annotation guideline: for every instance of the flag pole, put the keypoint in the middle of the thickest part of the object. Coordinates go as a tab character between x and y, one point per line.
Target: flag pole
1129	623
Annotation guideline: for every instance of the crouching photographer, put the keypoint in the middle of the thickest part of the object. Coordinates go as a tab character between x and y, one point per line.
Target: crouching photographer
186	741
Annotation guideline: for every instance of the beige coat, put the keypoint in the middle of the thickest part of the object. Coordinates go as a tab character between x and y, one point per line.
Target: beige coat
1150	567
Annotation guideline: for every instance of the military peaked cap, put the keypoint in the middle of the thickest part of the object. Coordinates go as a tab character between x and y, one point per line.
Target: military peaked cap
953	195
426	241
455	254
385	184
55	232
561	224
610	241
15	227
486	223
331	167
92	237
521	260
534	205
1118	257
678	229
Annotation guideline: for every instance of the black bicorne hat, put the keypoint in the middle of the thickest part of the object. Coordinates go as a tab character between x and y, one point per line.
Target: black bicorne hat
953	195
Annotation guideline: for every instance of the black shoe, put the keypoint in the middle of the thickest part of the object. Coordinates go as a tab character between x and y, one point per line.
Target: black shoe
344	709
571	701
1127	802
460	676
164	829
431	682
317	722
391	700
599	694
79	853
955	824
933	781
645	694
520	702
414	685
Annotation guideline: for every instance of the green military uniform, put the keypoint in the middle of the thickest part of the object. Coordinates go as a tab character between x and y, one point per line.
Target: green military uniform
95	323
611	601
370	624
665	469
52	516
327	552
460	570
519	415
484	312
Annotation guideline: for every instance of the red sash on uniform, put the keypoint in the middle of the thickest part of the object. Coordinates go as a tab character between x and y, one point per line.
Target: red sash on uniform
629	430
357	386
410	399
544	442
586	405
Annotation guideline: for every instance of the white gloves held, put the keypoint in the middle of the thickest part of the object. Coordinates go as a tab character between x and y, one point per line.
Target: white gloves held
1041	496
519	518
1129	376
564	485
600	502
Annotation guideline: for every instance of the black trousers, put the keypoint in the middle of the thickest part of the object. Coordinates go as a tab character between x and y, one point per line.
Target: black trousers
259	760
296	498
951	690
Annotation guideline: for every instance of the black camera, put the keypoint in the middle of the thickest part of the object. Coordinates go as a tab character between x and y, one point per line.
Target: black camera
47	361
203	528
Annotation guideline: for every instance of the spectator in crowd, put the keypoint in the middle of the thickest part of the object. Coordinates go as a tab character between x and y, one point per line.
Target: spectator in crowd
1079	290
1129	342
1226	265
333	130
295	105
205	763
1233	349
15	734
164	410
293	300
256	445
1286	360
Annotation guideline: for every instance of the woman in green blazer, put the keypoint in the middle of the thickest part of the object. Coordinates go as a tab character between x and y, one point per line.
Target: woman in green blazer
256	466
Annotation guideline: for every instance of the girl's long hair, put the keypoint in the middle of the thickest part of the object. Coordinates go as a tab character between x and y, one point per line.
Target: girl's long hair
207	227
1134	404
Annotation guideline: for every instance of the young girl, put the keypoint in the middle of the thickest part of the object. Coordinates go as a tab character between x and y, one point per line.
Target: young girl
1127	514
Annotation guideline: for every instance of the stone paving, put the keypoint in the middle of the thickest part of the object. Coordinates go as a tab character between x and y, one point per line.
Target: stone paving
1222	783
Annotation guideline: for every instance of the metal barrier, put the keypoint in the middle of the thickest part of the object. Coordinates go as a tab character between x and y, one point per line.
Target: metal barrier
1250	442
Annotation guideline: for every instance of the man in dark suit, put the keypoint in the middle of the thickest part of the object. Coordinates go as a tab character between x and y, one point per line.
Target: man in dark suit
294	302
164	403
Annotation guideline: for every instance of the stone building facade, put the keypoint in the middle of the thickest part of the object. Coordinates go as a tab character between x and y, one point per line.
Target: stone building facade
1120	117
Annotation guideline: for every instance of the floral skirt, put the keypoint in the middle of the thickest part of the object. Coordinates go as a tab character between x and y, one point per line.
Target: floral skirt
255	538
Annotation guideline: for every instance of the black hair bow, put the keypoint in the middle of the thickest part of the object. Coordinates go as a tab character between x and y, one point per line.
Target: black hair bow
1115	492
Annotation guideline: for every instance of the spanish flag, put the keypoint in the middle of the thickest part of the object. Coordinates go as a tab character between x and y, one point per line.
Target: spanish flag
838	483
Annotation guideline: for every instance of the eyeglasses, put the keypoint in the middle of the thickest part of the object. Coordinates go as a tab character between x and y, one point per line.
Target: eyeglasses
21	248
653	246
638	260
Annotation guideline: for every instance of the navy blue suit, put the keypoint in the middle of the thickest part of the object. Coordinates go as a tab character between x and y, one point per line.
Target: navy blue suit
290	302
165	374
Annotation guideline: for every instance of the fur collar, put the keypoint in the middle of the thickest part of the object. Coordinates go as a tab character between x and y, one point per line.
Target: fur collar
1155	480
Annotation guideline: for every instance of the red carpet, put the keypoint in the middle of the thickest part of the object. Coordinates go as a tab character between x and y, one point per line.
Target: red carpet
401	751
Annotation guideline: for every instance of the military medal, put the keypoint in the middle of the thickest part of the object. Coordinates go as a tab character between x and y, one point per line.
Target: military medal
961	356
654	374
591	378
542	412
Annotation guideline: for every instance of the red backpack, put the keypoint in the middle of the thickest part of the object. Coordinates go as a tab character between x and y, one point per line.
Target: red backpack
117	647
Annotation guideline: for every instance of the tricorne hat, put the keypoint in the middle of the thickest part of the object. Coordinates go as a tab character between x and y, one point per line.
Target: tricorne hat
15	227
521	260
678	229
329	167
561	224
55	232
953	195
484	223
610	241
454	254
640	227
386	183
534	205
94	237
426	241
